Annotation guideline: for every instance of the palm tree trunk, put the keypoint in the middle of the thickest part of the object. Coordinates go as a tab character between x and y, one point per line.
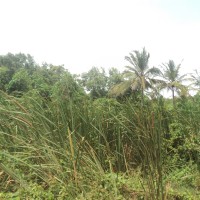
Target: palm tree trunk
173	97
142	88
142	96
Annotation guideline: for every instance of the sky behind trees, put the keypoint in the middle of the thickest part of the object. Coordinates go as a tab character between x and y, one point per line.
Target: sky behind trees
81	34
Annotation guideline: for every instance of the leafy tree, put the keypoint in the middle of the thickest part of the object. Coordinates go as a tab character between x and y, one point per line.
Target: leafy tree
10	64
56	72
95	81
41	84
138	76
45	77
4	77
115	77
20	82
173	80
67	88
17	61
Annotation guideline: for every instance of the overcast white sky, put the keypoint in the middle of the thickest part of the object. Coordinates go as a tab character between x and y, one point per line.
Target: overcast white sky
85	33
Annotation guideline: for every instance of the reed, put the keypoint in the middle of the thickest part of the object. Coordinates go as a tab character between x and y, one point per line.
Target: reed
70	143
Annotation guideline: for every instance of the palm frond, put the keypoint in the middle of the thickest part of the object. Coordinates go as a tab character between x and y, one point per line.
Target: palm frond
129	59
182	90
182	78
154	71
119	89
130	71
129	68
139	60
195	79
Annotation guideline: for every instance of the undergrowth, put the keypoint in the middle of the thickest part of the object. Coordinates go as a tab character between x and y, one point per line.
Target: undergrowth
75	148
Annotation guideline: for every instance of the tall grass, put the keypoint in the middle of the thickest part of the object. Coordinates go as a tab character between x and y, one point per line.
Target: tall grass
68	143
42	145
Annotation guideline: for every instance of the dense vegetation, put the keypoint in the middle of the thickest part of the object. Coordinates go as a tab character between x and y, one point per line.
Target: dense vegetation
98	135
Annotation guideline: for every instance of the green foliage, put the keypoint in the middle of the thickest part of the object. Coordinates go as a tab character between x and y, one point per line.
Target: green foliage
57	143
115	77
183	183
95	81
41	82
4	77
11	64
138	76
67	88
20	82
173	79
196	79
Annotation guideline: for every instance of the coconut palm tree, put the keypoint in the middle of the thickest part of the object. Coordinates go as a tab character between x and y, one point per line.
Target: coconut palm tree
195	78
173	80
137	76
